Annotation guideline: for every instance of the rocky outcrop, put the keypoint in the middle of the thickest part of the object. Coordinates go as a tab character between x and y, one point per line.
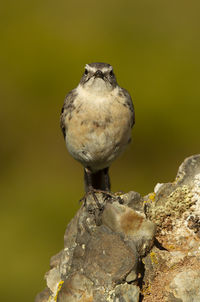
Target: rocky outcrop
128	248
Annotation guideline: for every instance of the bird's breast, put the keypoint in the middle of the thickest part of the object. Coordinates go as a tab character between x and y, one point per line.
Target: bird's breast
98	128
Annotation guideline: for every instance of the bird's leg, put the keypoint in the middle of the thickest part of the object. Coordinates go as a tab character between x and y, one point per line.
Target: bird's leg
88	180
89	187
107	179
97	182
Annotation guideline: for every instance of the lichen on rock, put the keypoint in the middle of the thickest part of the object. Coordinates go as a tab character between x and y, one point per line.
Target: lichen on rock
176	211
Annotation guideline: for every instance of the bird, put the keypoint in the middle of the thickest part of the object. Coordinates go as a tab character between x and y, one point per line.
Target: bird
96	120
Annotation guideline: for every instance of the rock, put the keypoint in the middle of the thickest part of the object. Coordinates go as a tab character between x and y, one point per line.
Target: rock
127	248
172	270
188	169
130	224
185	287
107	258
126	293
76	288
134	200
53	278
132	276
96	258
176	206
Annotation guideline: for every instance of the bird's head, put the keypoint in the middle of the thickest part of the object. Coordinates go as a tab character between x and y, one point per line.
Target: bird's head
99	77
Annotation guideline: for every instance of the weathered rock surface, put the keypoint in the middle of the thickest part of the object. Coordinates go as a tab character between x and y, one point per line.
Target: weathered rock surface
130	248
172	267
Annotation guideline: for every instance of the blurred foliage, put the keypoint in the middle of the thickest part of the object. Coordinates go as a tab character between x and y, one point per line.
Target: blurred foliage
154	47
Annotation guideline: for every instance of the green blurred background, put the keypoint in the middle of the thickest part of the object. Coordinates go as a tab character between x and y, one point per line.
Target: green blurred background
154	47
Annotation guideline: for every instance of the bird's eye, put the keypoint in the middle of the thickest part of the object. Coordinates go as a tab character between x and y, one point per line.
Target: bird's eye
86	72
111	73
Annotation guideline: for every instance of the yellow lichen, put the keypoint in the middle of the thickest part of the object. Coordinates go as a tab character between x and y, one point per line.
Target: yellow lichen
58	289
153	258
172	206
146	290
174	266
170	247
152	196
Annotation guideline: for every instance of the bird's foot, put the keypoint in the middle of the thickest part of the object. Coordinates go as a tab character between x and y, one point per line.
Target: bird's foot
108	196
97	210
93	193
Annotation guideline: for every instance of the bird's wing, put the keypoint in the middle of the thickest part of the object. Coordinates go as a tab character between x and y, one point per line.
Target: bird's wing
67	108
128	103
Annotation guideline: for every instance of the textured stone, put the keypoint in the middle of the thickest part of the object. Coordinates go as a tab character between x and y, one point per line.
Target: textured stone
132	225
176	206
108	256
134	200
186	286
132	276
188	169
172	269
111	253
53	278
76	288
126	293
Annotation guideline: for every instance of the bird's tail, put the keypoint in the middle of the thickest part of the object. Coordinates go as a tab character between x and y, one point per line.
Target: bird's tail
99	180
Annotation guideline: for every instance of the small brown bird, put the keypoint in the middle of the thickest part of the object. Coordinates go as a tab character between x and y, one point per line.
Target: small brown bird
96	121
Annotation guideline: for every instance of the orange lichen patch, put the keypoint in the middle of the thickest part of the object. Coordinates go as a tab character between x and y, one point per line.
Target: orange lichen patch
130	220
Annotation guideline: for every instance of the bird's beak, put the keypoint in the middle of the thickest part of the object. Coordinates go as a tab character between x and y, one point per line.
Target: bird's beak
99	74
